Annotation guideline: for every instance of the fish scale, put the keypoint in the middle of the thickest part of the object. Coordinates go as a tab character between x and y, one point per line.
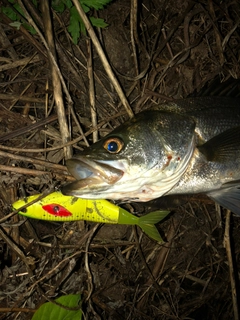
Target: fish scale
183	147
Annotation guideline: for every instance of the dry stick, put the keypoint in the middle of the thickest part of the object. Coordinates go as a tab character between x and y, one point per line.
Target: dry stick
222	48
227	245
103	58
20	62
26	310
35	173
174	28
41	196
36	17
15	249
92	90
24	90
35	161
31	39
95	74
66	270
7	44
119	114
217	33
53	60
159	50
89	273
7	96
62	262
134	36
162	257
30	127
227	37
177	59
15	233
57	88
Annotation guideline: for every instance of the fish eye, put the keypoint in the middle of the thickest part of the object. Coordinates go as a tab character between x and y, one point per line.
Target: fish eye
113	145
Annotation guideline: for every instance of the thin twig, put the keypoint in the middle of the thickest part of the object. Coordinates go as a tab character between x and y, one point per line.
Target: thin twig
89	273
35	173
39	162
227	245
28	128
57	88
92	90
66	144
102	56
15	249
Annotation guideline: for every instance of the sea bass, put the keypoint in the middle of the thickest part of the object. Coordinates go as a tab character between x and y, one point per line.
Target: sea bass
183	147
57	207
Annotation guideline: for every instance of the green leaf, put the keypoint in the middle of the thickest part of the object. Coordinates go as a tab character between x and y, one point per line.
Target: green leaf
19	9
95	4
51	311
74	27
86	9
58	6
17	18
68	4
9	12
29	28
98	22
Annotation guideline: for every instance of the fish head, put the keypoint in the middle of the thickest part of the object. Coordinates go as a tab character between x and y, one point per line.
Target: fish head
140	160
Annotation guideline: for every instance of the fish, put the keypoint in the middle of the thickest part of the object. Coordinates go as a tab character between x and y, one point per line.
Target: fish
186	146
57	207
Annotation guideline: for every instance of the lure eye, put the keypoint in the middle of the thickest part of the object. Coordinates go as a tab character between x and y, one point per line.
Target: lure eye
113	145
56	209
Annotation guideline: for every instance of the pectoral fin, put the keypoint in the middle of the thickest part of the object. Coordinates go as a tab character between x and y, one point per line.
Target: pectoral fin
228	196
223	147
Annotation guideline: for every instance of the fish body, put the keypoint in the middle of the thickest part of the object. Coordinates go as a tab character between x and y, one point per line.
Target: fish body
183	147
57	207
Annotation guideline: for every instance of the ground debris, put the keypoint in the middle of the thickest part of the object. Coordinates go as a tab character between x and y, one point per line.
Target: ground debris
173	50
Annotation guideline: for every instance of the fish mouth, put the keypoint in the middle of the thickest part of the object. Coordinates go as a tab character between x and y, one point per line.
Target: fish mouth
91	174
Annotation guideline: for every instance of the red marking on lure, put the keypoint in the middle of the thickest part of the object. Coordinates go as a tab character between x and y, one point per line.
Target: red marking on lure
57	210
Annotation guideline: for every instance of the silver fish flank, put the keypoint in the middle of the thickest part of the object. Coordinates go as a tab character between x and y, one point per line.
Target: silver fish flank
183	147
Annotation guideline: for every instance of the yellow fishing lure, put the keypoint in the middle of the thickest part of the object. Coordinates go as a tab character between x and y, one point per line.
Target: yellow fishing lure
57	207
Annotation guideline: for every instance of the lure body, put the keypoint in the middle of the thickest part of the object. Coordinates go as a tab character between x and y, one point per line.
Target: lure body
57	207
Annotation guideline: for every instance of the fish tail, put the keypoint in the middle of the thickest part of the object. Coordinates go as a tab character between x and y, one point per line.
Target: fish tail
147	224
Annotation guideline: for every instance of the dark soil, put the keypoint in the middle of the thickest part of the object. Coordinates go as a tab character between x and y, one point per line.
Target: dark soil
171	50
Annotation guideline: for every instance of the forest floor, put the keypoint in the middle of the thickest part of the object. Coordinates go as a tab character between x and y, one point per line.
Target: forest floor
159	51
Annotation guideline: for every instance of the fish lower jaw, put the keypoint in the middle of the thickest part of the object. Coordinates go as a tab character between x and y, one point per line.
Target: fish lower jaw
134	190
152	185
